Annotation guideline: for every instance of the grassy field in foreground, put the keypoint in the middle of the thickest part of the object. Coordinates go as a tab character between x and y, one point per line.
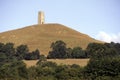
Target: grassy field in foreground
81	62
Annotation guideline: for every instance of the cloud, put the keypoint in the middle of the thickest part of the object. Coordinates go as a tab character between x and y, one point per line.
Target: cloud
103	36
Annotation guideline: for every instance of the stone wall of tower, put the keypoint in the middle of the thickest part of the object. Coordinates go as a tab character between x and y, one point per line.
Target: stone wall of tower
41	17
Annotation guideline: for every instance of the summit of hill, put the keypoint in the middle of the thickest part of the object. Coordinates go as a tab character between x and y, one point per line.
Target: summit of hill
40	36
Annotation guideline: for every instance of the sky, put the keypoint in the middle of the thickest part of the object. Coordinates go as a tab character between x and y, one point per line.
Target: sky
99	19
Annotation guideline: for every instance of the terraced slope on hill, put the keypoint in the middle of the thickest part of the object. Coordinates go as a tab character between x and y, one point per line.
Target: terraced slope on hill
41	36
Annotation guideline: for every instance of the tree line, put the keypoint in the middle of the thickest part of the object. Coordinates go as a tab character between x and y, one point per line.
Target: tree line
60	51
104	61
103	64
20	52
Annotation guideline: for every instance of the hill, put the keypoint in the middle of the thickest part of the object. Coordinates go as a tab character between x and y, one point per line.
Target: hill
41	36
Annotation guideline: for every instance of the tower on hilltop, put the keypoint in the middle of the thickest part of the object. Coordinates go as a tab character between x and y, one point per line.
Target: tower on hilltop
41	17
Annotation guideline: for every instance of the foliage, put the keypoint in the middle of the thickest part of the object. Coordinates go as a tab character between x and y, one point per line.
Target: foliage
33	55
13	70
60	51
41	59
77	52
103	65
95	49
21	51
58	72
11	66
8	52
104	62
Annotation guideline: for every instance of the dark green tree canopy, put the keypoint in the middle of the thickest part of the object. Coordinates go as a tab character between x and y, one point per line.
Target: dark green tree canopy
95	49
21	51
59	50
34	55
77	52
8	49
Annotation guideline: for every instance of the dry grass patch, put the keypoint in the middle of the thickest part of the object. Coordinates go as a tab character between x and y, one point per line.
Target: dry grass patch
81	62
30	63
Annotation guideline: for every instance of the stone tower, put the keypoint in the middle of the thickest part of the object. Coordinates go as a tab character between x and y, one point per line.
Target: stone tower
41	17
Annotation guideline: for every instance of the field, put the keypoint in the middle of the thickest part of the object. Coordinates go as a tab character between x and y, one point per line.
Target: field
81	62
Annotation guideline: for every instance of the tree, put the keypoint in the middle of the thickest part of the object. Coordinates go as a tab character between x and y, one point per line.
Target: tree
1	47
59	50
97	50
33	55
21	51
77	52
32	73
103	67
69	53
115	46
7	52
8	49
67	72
21	68
94	48
104	61
3	58
41	59
14	70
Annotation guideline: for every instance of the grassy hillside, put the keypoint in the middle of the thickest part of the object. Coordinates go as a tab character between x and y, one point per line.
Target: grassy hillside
41	37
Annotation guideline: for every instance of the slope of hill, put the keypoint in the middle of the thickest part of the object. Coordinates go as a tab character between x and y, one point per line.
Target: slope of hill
41	36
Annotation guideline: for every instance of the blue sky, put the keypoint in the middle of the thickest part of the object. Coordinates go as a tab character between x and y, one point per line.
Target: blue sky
99	19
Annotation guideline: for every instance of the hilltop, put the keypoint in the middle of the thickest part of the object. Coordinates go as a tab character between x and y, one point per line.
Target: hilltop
41	36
